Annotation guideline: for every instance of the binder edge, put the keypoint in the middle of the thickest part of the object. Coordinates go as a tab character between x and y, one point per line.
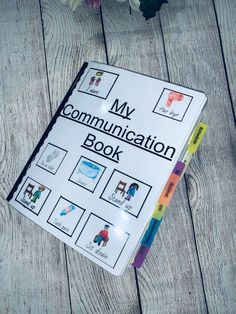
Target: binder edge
46	132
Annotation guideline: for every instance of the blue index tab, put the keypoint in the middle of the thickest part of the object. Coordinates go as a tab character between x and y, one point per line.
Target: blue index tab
150	232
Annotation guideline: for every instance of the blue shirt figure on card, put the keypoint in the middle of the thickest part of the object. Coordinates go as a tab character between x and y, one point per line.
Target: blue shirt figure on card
37	193
131	191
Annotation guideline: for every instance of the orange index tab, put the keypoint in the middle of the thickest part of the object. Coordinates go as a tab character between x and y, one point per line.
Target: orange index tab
169	189
159	211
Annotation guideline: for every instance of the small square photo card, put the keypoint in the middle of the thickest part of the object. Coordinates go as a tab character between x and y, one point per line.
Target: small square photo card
65	216
98	83
172	104
87	173
51	158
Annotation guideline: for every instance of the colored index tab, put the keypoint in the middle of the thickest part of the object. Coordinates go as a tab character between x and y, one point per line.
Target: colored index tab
169	189
159	211
197	137
161	207
178	169
150	232
187	158
140	256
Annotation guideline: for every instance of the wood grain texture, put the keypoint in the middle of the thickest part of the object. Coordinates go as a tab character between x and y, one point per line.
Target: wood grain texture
170	279
32	263
133	43
226	15
38	273
70	39
195	59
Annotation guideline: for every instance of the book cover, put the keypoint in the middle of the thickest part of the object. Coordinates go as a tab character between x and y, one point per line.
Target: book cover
95	176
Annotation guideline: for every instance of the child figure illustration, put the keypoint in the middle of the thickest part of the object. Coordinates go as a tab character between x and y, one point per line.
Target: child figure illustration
131	191
92	80
95	79
98	80
102	236
37	194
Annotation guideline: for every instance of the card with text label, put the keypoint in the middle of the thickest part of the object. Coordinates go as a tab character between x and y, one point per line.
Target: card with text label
66	216
96	174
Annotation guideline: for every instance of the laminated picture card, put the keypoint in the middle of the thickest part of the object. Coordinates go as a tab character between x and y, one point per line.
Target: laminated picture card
108	163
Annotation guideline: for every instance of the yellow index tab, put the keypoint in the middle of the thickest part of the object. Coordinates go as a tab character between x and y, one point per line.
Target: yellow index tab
159	211
197	137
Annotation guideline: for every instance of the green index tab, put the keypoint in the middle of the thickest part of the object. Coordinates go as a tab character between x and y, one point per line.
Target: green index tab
159	211
197	137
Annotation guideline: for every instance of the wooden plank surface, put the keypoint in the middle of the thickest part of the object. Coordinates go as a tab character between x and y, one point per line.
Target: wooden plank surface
32	262
170	280
70	39
192	267
195	59
226	17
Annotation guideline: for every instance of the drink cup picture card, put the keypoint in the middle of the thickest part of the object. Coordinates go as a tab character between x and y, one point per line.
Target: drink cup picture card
173	104
65	216
33	195
126	192
87	173
51	158
102	240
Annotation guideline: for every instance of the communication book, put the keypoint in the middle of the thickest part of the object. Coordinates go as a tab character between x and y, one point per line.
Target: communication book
108	163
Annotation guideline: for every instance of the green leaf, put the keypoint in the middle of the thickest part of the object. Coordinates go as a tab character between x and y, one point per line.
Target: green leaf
150	7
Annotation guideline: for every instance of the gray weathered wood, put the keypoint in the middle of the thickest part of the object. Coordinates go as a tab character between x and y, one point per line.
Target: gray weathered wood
32	262
170	279
226	15
72	38
195	59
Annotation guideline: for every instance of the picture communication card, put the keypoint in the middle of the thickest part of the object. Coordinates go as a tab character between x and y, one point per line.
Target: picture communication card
95	176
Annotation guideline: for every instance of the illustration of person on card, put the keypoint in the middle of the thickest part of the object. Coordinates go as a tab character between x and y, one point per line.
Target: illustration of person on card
95	79
98	80
92	80
131	191
37	193
102	236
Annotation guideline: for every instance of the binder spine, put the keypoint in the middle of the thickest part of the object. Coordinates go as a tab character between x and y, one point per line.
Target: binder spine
47	131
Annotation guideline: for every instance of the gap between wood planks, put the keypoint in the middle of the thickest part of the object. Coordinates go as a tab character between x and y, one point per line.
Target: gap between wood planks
51	114
107	60
224	63
194	237
50	103
185	180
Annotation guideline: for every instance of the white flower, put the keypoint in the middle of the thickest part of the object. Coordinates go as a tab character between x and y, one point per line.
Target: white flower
135	4
73	3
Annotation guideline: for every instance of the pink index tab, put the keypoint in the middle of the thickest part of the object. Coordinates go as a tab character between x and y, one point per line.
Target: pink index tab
140	256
